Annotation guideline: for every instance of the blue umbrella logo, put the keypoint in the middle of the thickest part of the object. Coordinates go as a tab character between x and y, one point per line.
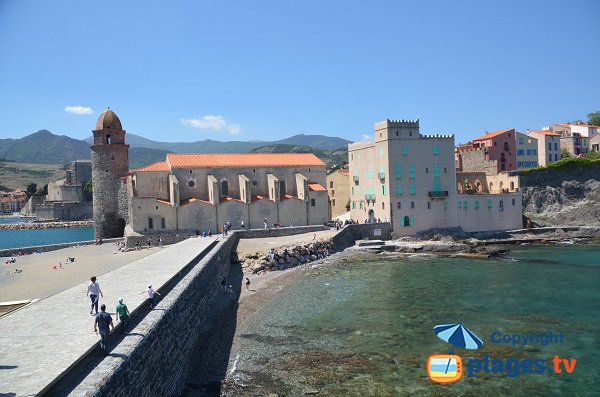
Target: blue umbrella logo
457	335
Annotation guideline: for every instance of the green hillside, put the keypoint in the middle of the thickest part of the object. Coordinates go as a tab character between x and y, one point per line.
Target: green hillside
332	158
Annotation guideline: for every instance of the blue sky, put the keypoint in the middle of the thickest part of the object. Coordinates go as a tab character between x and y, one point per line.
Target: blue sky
260	70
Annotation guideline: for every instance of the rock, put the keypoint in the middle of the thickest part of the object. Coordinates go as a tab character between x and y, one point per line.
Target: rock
281	261
310	391
313	257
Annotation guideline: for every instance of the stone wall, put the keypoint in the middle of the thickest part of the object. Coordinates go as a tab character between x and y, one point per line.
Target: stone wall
350	233
156	364
64	211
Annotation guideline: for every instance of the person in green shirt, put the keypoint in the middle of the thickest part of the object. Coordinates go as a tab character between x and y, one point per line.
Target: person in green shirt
123	314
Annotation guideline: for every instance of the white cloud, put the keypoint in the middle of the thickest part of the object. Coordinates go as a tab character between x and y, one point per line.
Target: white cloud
78	110
366	137
210	122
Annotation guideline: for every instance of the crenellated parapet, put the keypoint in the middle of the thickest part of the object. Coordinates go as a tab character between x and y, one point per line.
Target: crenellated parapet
397	124
437	136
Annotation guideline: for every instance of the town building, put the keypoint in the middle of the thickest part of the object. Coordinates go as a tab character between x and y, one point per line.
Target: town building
548	146
67	199
12	201
595	143
201	192
527	151
499	146
338	191
410	179
575	137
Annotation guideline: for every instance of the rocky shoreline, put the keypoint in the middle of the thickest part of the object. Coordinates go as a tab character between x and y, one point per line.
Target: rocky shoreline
287	257
46	225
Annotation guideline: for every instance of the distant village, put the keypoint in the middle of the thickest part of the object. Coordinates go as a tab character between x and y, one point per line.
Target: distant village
400	176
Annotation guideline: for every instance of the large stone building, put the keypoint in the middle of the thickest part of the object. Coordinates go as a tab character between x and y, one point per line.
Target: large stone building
410	179
338	190
192	192
67	199
499	146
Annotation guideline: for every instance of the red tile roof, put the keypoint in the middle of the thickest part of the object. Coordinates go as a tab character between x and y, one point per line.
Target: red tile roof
154	167
176	160
545	132
343	172
491	135
192	200
315	187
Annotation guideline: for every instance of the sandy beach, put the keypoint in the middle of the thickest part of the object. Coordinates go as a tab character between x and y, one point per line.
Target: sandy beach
39	279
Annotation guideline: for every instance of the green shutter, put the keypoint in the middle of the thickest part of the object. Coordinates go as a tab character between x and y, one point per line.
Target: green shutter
404	151
399	190
398	171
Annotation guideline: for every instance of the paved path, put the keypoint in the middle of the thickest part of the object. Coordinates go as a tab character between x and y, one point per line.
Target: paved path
39	342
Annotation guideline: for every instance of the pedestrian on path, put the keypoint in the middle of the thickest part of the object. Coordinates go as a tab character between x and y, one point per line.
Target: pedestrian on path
123	313
94	292
102	322
160	242
247	283
266	223
151	293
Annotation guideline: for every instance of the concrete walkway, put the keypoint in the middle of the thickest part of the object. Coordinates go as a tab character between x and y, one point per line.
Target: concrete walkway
41	341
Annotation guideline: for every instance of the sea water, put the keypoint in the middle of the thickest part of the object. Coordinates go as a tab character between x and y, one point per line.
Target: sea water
364	326
35	237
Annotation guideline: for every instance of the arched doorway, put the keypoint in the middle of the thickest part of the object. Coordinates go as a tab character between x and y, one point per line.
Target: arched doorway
406	221
371	215
512	186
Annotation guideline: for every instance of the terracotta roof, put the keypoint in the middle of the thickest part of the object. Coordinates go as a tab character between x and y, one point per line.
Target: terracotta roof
343	172
154	167
176	160
492	134
576	125
163	201
315	187
192	200
544	132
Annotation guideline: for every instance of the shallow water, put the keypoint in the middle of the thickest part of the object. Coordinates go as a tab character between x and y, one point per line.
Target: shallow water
35	237
364	327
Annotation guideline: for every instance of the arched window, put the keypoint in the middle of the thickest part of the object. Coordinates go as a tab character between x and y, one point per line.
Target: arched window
108	139
512	186
501	185
406	221
224	188
491	186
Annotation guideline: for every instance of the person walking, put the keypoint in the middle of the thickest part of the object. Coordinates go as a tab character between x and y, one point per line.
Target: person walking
94	292
160	242
247	283
243	225
151	293
123	313
266	223
102	322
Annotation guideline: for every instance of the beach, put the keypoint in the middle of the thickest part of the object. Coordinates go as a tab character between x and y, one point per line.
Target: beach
38	278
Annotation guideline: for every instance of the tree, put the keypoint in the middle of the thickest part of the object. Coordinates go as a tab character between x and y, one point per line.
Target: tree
5	189
594	118
30	190
43	191
87	191
564	153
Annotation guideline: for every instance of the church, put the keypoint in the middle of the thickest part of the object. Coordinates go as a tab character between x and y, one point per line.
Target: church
192	192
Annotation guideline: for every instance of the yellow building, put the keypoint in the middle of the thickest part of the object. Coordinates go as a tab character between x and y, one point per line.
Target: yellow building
338	191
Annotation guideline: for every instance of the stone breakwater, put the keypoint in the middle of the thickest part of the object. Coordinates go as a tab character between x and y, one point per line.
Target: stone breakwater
288	257
46	225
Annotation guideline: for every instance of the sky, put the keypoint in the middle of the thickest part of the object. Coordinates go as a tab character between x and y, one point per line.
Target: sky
266	70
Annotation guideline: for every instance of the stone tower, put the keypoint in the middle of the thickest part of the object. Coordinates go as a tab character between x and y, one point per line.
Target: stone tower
110	161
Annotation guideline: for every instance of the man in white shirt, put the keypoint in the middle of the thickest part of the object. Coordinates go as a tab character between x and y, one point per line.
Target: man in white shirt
94	293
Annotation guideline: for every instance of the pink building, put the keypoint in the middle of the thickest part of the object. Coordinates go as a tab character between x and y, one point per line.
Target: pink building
500	146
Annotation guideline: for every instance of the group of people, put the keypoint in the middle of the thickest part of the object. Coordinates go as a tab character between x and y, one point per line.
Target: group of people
103	322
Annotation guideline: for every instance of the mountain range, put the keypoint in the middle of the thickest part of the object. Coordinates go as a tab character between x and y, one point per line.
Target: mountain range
44	147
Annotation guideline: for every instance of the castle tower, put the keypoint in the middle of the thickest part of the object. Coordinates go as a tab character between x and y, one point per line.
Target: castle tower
110	161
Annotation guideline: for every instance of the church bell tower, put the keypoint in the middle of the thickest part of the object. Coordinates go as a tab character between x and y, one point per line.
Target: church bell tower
110	162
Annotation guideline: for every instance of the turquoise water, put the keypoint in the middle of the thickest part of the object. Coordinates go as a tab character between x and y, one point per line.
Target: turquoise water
364	327
28	238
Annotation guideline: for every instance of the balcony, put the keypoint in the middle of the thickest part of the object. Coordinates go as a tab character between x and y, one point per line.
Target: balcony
438	194
381	175
369	197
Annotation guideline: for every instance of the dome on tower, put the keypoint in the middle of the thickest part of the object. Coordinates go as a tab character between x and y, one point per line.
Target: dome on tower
108	120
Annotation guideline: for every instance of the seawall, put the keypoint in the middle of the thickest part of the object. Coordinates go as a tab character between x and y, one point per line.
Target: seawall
156	362
371	231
